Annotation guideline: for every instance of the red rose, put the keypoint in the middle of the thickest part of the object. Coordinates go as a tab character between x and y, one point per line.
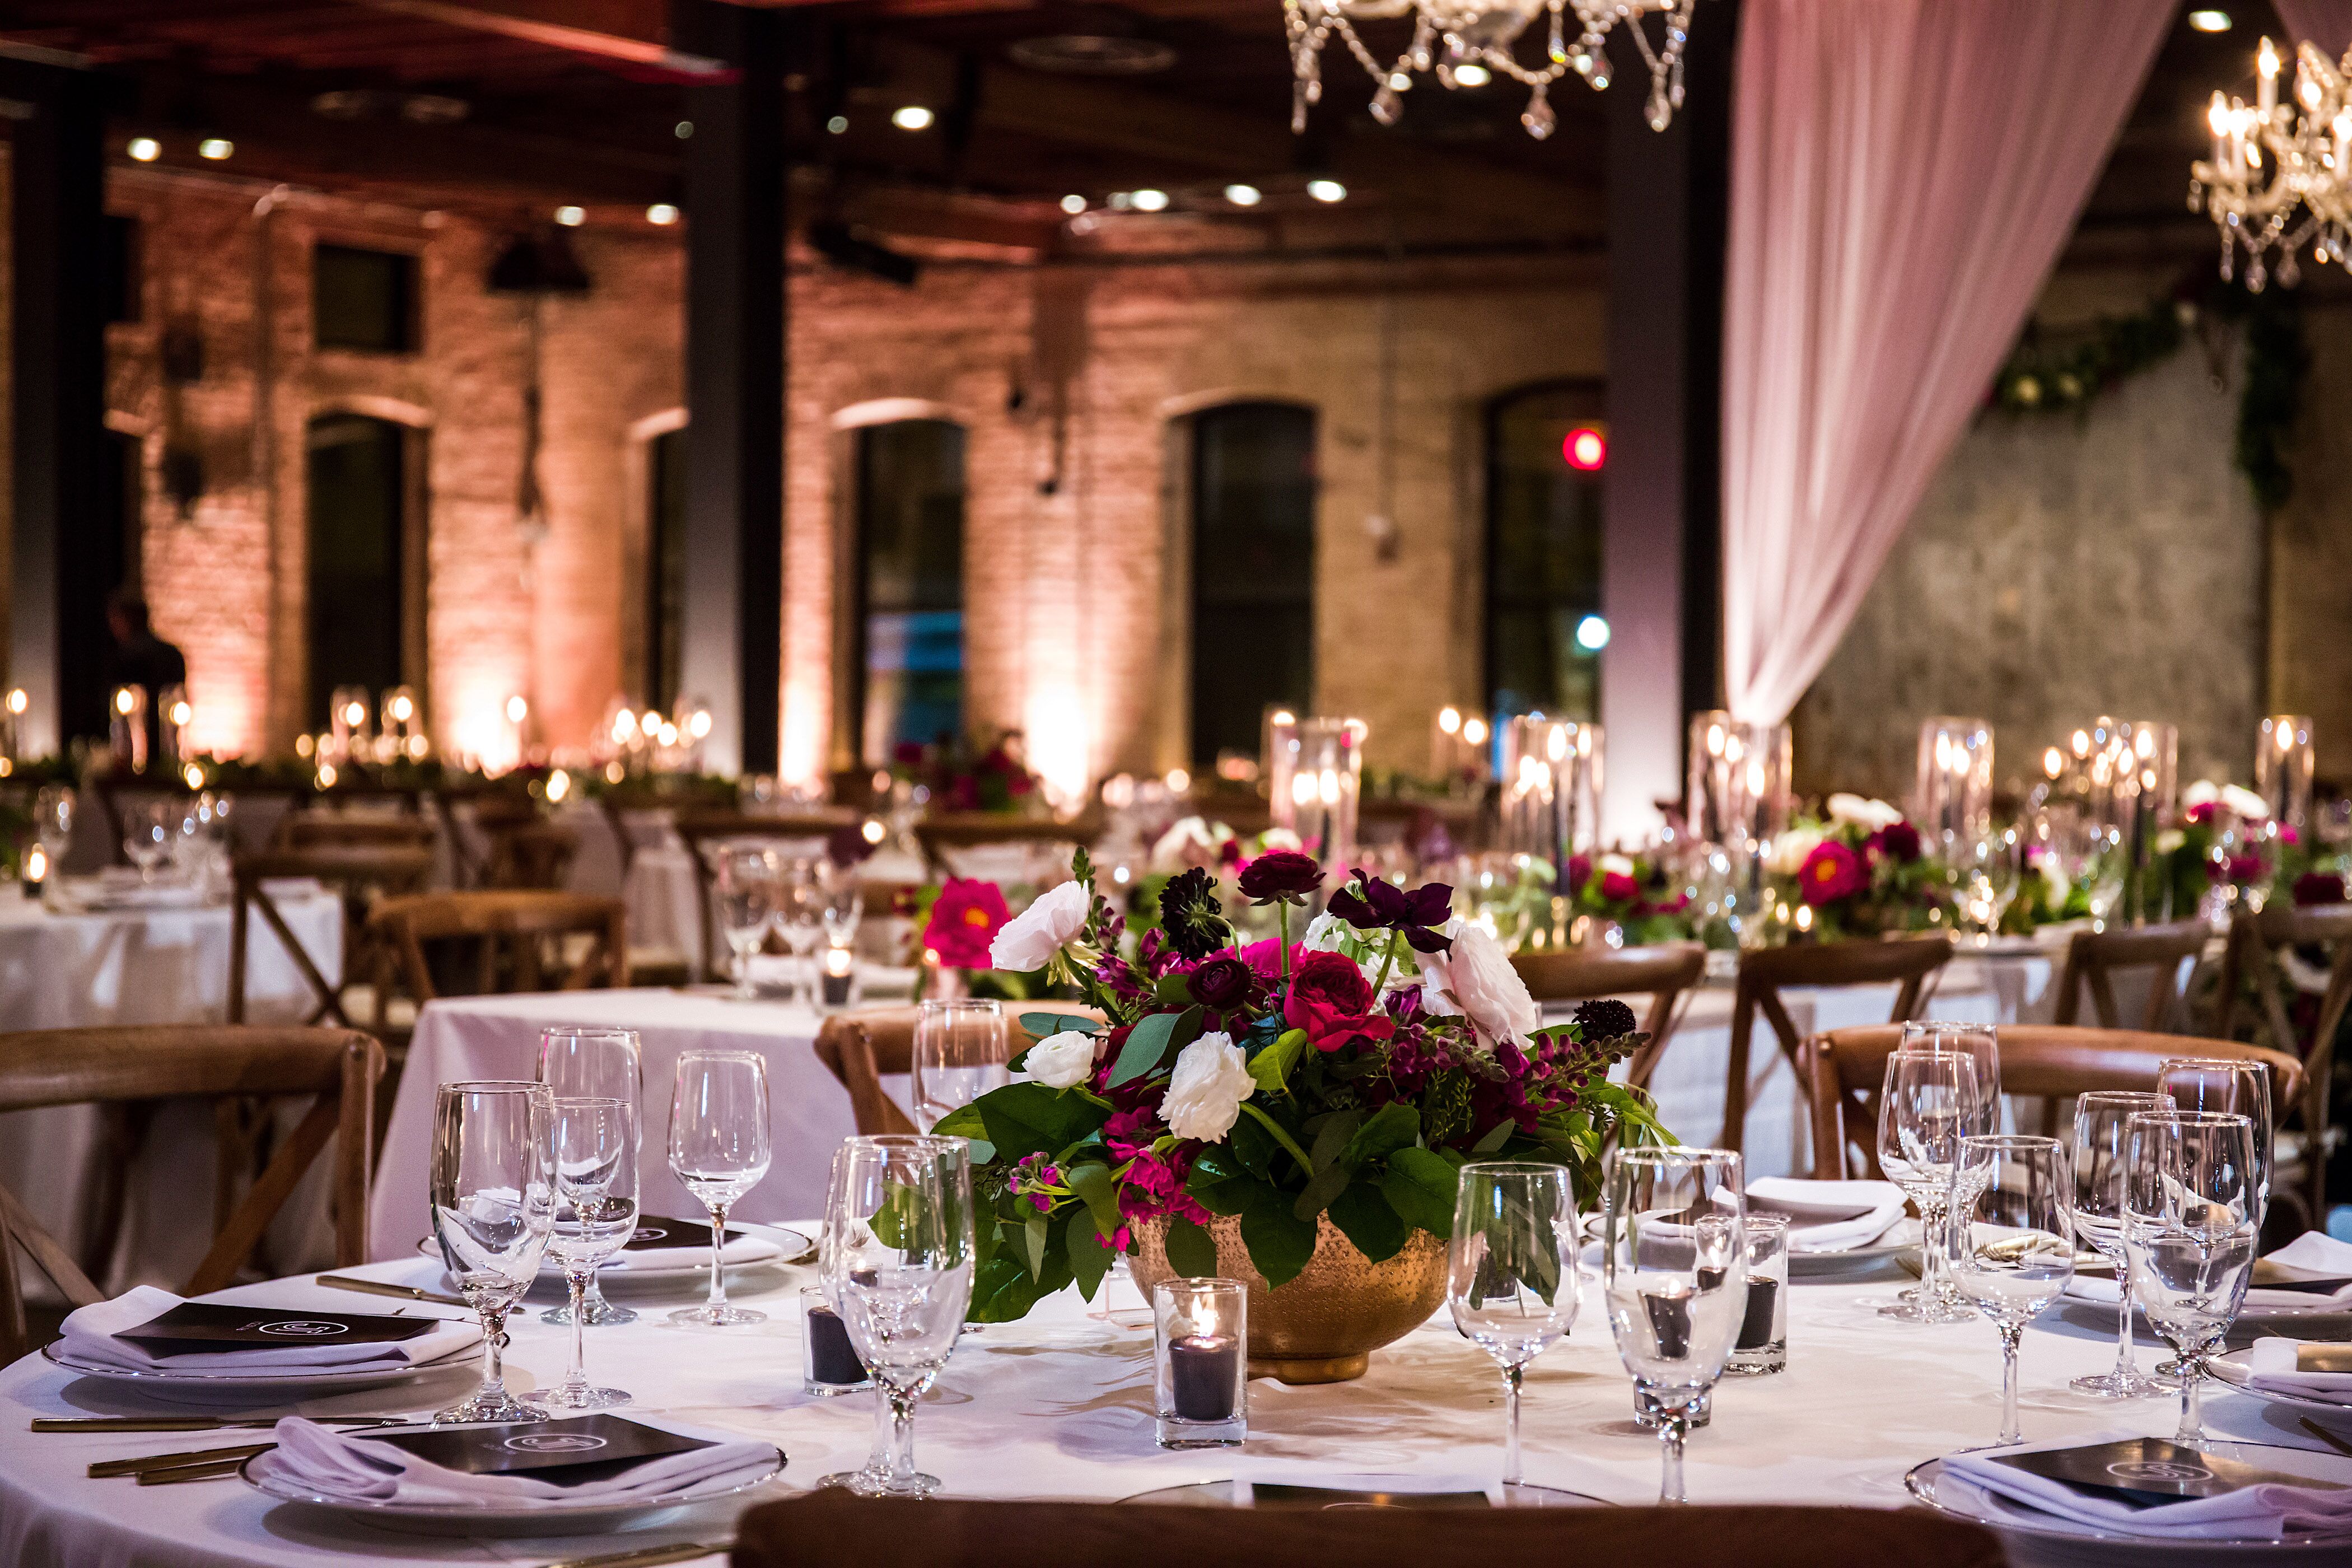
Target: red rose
965	920
1617	887
1331	1000
1830	873
1580	871
1898	841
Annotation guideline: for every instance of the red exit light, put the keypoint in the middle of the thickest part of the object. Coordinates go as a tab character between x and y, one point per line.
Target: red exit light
1586	449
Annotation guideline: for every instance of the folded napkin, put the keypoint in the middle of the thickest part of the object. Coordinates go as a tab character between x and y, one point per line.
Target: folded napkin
337	1465
2271	1364
2271	1511
89	1337
1828	1217
2312	1256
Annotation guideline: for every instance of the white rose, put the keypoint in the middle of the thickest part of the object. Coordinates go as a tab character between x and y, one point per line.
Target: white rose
1206	1090
2245	803
1873	814
1616	865
1030	939
1476	979
1275	838
1059	1061
2204	791
1789	851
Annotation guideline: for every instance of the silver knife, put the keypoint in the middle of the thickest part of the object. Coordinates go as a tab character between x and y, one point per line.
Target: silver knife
379	1287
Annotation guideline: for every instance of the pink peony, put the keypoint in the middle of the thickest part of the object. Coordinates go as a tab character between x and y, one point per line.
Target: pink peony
965	920
1618	887
1830	873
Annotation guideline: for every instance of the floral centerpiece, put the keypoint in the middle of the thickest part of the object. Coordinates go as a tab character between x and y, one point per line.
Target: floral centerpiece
1637	893
1863	871
970	775
1344	1079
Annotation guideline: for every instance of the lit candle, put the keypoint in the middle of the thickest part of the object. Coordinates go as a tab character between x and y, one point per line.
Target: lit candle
832	1358
37	871
2267	63
1203	1371
840	969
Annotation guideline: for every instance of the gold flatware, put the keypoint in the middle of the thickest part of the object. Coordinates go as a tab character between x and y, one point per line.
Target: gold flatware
210	1470
104	1469
647	1557
378	1287
194	1423
2325	1435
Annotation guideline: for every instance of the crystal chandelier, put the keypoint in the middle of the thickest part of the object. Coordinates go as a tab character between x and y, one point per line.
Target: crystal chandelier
2276	161
1466	43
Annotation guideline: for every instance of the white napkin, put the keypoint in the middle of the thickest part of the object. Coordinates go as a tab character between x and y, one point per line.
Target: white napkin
2271	1365
337	1465
89	1337
1802	1199
2314	1253
2271	1512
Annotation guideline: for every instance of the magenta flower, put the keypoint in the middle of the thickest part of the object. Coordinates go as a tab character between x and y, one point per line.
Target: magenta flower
1830	873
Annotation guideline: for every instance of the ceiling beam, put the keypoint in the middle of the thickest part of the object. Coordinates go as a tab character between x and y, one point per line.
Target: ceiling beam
634	31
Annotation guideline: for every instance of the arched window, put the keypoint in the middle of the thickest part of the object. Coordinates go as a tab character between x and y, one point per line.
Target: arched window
908	580
665	579
365	530
1252	560
1546	448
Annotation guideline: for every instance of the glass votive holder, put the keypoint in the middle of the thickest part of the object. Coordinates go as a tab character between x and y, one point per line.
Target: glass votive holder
1200	1355
829	1364
1763	1344
836	978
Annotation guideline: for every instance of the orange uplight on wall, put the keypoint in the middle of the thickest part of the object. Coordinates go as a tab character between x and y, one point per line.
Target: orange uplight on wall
1586	449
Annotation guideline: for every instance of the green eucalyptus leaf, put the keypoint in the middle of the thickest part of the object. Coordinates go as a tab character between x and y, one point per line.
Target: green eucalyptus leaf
1026	1119
1281	1134
1332	1138
1045	1025
1420	1186
1035	1233
1496	1138
1327	1184
1272	1066
1090	1257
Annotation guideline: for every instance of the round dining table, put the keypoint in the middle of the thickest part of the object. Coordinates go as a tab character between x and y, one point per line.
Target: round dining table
1059	1406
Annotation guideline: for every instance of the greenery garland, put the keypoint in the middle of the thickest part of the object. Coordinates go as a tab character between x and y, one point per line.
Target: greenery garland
2065	376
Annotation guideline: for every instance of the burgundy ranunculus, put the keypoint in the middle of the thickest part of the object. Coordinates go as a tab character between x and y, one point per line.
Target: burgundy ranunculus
1282	876
2319	888
1219	985
1580	871
1618	887
1830	873
1898	841
1375	903
1331	1000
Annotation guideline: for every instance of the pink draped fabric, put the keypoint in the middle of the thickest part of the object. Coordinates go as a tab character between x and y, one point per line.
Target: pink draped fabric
2327	22
1903	175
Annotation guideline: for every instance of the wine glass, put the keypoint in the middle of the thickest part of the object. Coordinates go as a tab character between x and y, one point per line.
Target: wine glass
897	1258
493	1204
149	829
1674	1267
1929	1102
52	822
2012	1250
593	1064
801	903
744	890
2101	1119
719	1150
593	1163
2223	1083
1988	873
1511	1271
962	1052
2191	1203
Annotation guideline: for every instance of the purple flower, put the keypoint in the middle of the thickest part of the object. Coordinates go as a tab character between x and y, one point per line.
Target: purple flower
1374	903
1898	841
1219	983
1280	876
2319	888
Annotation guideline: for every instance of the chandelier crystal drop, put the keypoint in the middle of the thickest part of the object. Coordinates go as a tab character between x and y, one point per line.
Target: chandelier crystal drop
2277	178
1450	35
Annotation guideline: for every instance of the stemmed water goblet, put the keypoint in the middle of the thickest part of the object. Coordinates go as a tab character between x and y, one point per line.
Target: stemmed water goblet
719	1150
1928	1103
2102	1119
1674	1268
897	1260
2224	1083
1511	1278
801	901
745	891
2191	1219
1980	1044
592	1063
493	1204
2012	1252
962	1050
150	829
593	1161
53	820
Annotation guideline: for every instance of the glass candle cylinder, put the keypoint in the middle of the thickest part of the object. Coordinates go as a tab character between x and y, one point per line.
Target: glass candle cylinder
1953	795
126	728
836	978
347	723
829	1364
1552	780
2149	799
403	723
1763	1344
1737	788
2283	767
1277	761
1318	798
175	714
1199	1359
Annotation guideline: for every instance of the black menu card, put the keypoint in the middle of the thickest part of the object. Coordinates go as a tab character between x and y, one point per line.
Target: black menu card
212	1327
2147	1472
563	1453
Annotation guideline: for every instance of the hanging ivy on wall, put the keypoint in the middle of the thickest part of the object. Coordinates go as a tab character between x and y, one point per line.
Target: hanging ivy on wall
2066	375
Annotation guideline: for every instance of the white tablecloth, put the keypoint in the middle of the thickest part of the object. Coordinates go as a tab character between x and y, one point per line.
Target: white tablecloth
150	966
1059	1405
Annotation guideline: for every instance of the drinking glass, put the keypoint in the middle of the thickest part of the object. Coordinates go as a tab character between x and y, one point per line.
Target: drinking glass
1674	1267
2101	1119
2190	1202
1929	1102
744	890
593	1064
2013	1249
493	1204
800	904
53	820
1980	1043
2220	1083
593	1156
962	1052
1988	873
897	1257
1511	1271
719	1150
149	829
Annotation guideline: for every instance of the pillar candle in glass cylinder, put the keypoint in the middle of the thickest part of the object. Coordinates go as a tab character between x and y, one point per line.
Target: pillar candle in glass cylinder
1324	787
2149	807
1277	760
347	723
175	714
1553	772
12	723
2283	757
1201	1363
126	728
1737	789
1953	795
403	722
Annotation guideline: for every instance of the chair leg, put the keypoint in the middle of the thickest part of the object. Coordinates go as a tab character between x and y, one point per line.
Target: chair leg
1735	1083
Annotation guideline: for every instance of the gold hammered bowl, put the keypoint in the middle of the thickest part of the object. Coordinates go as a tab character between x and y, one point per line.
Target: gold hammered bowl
1322	1326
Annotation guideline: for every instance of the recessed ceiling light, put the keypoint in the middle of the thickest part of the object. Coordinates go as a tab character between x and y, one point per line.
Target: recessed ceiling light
683	129
2209	21
912	117
215	148
1326	190
1073	204
1150	201
145	148
661	213
1472	75
1243	196
837	124
571	217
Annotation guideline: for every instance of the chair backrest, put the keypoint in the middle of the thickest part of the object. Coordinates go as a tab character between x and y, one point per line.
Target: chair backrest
941	834
360	875
518	936
1583	973
830	1528
471	818
857	1048
2251	963
703	829
348	830
2092	958
81	1067
530	854
1848	1066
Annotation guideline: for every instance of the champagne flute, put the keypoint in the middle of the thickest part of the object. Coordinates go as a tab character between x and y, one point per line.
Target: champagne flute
745	891
897	1257
1675	1271
493	1203
2101	1120
719	1150
1511	1271
962	1052
2190	1204
2012	1253
593	1155
595	1064
1929	1102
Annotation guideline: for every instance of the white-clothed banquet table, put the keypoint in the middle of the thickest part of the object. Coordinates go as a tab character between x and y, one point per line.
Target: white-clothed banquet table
150	965
1059	1406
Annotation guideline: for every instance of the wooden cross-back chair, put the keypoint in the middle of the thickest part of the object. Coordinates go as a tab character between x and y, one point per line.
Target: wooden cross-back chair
529	854
1586	974
2095	957
360	875
473	832
704	831
680	798
857	1048
353	830
941	834
225	1063
1764	973
2257	940
1846	1068
518	936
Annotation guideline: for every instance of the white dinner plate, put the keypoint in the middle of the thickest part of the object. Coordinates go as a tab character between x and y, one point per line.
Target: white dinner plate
2231	1368
1900	1237
549	1516
1947	1493
306	1381
779	1245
